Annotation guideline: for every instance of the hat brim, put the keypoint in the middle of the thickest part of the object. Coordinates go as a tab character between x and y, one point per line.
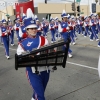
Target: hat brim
65	16
37	20
31	26
4	22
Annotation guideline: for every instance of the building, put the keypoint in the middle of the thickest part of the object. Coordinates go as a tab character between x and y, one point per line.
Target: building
55	9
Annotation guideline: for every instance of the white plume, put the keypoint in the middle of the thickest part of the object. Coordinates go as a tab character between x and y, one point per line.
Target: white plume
29	13
68	15
33	17
24	14
64	11
36	16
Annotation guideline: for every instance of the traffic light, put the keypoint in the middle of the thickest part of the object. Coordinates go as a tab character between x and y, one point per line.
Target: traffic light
73	6
93	8
78	8
45	1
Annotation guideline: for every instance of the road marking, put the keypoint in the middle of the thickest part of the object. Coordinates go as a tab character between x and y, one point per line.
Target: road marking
82	65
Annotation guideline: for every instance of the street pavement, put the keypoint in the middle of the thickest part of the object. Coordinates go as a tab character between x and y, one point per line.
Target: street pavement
78	81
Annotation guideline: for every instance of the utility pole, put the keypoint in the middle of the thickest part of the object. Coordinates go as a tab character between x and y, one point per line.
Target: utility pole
75	9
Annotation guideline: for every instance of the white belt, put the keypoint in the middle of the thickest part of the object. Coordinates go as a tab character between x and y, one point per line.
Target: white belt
40	69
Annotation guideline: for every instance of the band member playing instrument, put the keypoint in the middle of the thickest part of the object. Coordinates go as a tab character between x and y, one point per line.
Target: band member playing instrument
38	81
5	37
63	28
11	30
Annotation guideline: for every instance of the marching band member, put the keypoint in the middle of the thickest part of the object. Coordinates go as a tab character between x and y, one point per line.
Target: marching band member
11	30
64	29
56	28
93	28
86	25
71	30
22	30
74	25
5	37
44	27
16	27
39	32
80	23
52	30
37	81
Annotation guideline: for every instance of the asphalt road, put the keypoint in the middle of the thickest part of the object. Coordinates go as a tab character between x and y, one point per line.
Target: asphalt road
78	81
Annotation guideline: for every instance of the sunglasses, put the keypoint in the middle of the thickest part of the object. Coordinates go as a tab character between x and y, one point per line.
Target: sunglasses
33	28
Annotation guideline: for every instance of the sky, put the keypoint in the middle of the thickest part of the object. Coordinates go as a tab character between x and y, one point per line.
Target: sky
83	2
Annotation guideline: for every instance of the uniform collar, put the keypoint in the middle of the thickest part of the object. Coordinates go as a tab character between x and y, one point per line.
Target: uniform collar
30	36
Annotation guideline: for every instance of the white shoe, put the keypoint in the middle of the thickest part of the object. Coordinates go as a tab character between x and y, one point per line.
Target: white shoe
97	39
2	43
32	99
8	57
51	41
84	36
74	43
91	40
70	56
12	44
99	46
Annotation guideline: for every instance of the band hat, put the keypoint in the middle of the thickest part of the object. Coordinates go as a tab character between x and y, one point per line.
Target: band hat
17	18
9	21
85	17
64	14
92	15
4	21
51	19
30	22
95	15
56	18
36	18
43	19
